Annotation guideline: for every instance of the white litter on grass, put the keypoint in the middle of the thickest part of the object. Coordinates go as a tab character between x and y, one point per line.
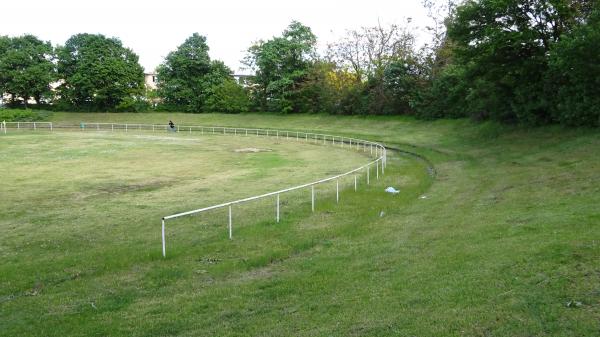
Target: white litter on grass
423	197
392	190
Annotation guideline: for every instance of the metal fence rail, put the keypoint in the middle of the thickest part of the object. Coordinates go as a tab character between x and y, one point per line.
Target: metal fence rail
377	150
25	126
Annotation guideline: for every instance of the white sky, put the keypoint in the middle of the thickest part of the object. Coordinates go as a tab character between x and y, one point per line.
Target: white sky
153	28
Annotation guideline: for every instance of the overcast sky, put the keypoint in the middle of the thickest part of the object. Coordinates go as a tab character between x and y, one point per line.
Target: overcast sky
153	28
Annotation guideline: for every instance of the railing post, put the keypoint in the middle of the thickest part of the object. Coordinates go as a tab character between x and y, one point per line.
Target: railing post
277	217
50	127
355	183
125	127
377	165
190	130
368	173
230	224
152	127
337	191
34	127
18	125
312	197
163	238
112	127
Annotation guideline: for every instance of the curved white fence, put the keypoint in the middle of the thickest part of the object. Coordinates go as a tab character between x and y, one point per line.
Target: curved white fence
377	150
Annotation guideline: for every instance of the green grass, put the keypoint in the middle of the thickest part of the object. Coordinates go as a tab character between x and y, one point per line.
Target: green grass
497	244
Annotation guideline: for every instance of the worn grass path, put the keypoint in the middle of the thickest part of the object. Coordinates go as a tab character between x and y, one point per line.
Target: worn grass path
505	241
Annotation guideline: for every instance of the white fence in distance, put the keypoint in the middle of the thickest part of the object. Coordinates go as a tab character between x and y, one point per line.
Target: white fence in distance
375	149
4	126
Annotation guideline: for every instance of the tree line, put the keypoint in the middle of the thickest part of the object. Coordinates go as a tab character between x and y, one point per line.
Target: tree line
515	61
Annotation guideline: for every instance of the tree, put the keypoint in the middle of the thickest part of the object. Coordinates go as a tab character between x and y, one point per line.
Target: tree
181	76
188	79
368	53
573	80
26	68
369	50
503	46
282	64
403	80
98	72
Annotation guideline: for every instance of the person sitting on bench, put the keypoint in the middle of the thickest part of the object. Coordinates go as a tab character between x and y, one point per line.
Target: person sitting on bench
171	125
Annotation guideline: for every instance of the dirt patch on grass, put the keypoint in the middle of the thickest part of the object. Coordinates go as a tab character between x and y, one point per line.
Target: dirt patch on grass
251	150
112	189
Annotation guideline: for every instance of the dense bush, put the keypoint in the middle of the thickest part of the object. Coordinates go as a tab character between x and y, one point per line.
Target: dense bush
527	62
23	115
574	75
228	97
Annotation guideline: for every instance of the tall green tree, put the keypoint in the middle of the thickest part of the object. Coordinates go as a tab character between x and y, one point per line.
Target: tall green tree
181	75
188	79
281	65
26	68
99	73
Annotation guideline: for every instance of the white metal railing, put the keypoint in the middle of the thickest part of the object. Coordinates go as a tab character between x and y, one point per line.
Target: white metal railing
376	149
373	148
25	126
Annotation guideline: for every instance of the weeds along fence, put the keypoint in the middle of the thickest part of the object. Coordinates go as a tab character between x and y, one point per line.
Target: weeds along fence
376	150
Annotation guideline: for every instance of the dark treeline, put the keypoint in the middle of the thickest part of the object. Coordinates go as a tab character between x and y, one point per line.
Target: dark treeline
527	62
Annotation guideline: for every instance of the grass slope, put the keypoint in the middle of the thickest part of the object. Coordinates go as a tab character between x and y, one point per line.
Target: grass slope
508	235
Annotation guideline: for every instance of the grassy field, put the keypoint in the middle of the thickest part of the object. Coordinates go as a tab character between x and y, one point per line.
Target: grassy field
503	241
